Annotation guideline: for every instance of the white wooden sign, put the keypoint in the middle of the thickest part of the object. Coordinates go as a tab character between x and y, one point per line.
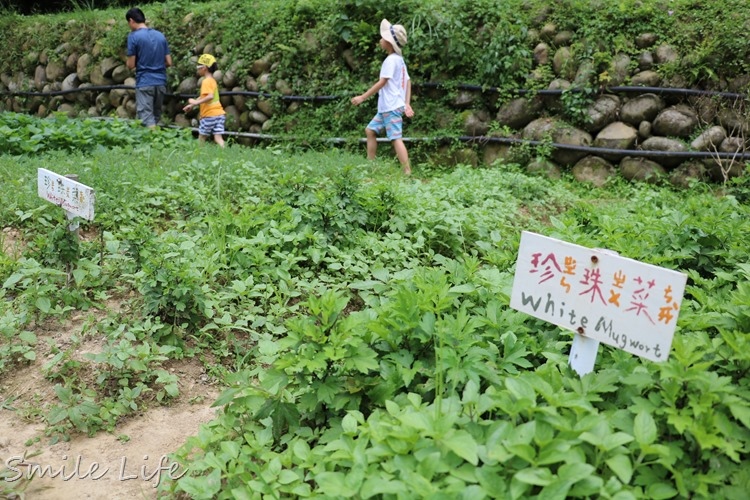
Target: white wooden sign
600	295
74	197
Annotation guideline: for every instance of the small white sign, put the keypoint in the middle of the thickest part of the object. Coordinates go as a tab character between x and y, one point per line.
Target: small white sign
615	300
74	197
583	352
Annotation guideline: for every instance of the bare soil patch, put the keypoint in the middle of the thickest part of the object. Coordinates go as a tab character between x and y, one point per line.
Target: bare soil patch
127	463
12	242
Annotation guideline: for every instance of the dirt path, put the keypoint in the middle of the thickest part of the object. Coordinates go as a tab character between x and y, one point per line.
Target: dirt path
125	468
128	462
124	464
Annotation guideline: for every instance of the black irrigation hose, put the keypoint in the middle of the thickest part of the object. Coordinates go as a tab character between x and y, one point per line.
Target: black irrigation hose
436	85
481	139
619	89
101	88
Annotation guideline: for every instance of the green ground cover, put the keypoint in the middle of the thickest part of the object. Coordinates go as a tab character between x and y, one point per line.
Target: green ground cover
360	322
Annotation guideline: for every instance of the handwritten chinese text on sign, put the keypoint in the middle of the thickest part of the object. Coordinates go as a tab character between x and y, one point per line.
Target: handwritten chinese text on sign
618	301
72	196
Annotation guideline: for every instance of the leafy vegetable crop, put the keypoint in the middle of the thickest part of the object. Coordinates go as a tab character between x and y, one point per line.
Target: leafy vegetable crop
360	323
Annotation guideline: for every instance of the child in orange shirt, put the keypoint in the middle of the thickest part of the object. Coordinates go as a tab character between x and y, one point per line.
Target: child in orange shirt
212	114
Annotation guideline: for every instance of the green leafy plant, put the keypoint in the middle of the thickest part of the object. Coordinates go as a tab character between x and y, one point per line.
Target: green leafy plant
576	102
17	345
359	324
172	287
33	135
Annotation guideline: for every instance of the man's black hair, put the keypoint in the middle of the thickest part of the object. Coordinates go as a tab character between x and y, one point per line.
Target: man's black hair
136	15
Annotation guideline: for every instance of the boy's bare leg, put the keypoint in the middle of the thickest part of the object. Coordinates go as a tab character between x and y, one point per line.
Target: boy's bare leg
403	155
218	139
372	143
202	139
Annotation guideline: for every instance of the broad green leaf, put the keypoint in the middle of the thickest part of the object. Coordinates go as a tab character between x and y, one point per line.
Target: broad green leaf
656	449
556	490
555	451
274	380
79	275
88	408
588	487
659	491
392	408
76	417
499	453
465	472
591	438
416	420
272	469
301	490
612	441
27	337
349	424
465	288
381	486
520	389
12	280
365	360
524	451
381	274
429	464
65	394
493	481
301	449
574	472
43	304
523	434
364	285
57	415
707	438
428	323
621	466
201	487
230	448
644	428
268	347
679	421
471	392
741	412
333	484
328	390
535	475
287	476
242	493
286	414
462	444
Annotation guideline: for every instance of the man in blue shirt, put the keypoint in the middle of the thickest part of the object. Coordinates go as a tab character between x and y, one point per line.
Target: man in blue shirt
148	53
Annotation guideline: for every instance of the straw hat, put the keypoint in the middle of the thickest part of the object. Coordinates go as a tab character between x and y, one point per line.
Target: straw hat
395	34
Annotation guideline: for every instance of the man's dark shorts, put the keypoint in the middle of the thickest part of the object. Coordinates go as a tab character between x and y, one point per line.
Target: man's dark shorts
148	102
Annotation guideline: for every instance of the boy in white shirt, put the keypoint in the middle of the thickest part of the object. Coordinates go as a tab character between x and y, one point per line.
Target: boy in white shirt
394	95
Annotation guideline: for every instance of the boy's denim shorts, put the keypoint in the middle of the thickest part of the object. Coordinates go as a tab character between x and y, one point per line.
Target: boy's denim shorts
391	121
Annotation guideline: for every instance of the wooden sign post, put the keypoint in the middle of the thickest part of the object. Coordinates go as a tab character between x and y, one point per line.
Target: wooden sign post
600	296
66	192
